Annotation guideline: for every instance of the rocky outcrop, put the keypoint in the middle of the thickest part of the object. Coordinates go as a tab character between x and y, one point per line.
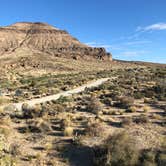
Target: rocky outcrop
46	39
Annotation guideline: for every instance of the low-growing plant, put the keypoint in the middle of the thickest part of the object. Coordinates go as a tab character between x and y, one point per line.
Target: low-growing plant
66	122
68	131
126	102
31	112
146	108
126	121
39	125
94	128
94	105
142	119
131	109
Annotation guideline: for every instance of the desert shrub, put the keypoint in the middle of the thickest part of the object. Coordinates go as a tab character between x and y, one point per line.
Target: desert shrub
138	95
31	112
7	160
54	109
149	93
94	128
141	119
146	100
26	109
118	150
148	158
161	159
151	101
94	105
5	120
14	149
108	101
3	144
126	121
63	99
131	109
126	102
39	125
66	122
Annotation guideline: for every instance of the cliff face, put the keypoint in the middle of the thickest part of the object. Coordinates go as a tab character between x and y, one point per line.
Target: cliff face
44	38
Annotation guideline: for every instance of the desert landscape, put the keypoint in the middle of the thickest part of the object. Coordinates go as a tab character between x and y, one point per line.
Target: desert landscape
64	103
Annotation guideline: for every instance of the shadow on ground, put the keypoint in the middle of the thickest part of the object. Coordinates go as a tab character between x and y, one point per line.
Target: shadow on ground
79	155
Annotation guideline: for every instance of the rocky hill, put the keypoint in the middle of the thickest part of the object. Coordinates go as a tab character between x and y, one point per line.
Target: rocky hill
43	38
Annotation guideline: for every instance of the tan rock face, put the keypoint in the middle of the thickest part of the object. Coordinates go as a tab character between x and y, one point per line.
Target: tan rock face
45	38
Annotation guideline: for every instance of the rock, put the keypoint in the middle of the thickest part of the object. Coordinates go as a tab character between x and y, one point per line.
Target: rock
44	38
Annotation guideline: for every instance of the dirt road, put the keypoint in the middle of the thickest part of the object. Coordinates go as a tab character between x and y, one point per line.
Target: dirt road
32	102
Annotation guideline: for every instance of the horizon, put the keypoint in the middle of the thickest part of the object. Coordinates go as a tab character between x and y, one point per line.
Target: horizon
118	26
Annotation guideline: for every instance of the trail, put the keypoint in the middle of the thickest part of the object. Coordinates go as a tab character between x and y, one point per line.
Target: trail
79	89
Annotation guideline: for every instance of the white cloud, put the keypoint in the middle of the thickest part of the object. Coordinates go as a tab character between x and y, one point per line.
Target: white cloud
133	53
157	26
138	42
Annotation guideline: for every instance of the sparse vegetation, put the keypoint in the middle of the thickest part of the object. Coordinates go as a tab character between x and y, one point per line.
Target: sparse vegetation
129	108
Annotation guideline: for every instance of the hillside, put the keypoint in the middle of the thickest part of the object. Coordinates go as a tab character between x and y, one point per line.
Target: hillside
39	48
43	38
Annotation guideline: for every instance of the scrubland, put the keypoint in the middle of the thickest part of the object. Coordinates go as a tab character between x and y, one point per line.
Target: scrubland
119	123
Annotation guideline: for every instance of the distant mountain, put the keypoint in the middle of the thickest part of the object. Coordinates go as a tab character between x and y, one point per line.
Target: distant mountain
42	38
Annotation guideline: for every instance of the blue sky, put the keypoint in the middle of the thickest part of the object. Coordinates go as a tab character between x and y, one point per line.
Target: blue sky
129	29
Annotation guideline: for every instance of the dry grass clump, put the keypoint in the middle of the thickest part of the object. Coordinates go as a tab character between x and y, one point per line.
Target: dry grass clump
15	149
94	128
66	122
66	125
156	116
146	108
7	160
68	131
